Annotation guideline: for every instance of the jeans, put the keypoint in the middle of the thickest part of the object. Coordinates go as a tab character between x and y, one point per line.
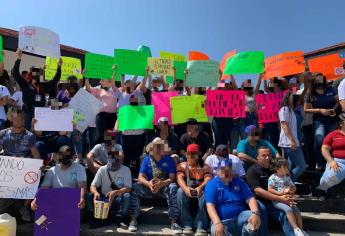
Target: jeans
2	123
183	203
167	192
236	226
331	178
321	129
271	131
283	207
45	147
222	128
104	121
308	147
296	162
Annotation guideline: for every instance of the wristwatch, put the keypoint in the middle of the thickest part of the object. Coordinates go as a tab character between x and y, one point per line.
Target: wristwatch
256	213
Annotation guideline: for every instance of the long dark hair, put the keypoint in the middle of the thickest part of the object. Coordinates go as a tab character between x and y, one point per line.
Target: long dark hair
311	89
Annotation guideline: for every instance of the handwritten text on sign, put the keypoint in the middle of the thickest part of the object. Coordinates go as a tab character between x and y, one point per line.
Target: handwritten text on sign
161	66
268	106
225	103
19	177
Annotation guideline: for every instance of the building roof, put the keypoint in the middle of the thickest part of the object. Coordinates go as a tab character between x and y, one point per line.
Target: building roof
14	34
325	50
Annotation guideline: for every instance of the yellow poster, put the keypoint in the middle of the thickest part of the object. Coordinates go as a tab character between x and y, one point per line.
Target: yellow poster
185	107
173	56
70	66
161	66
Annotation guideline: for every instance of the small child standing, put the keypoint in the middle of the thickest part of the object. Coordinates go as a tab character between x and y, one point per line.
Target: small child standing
281	184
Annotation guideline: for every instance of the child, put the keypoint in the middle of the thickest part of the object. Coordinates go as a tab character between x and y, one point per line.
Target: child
280	184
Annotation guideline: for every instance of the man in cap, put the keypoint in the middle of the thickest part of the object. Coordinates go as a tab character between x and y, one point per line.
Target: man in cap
164	132
192	179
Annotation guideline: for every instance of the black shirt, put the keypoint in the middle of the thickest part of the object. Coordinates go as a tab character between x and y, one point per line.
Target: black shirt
257	176
203	140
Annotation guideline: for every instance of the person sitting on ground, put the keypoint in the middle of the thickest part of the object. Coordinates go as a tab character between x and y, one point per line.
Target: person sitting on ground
227	200
279	184
247	149
115	183
156	179
221	154
192	179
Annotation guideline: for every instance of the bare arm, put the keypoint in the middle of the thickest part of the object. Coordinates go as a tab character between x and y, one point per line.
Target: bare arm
246	158
275	192
326	153
143	83
258	84
142	179
233	82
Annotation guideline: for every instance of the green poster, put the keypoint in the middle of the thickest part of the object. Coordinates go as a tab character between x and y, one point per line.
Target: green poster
98	66
131	62
136	117
185	107
202	73
1	50
146	49
180	68
245	63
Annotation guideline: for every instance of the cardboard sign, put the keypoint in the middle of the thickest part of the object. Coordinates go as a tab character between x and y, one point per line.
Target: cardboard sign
288	63
195	56
58	213
161	102
245	63
225	103
202	73
53	120
161	66
136	117
98	66
131	62
330	65
180	67
173	56
70	66
19	177
223	62
268	106
185	107
39	41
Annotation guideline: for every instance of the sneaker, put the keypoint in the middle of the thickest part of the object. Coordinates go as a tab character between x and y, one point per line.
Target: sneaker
133	226
25	214
201	232
176	228
298	232
305	233
123	225
188	230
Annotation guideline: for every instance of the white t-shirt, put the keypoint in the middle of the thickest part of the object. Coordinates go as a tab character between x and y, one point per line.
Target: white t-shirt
18	98
341	90
288	115
3	93
123	97
237	166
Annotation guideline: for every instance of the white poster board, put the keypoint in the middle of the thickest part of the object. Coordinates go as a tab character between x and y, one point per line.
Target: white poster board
19	177
85	107
53	120
39	41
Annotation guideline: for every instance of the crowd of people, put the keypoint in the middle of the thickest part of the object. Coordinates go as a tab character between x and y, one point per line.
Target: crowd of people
229	175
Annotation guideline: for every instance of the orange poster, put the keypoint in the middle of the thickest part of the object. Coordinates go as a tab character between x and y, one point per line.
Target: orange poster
330	65
197	56
288	63
223	62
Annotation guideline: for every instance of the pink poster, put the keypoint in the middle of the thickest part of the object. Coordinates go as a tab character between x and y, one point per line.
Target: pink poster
268	106
229	103
161	102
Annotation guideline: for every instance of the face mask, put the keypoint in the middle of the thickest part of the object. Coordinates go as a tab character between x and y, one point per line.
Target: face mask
133	103
247	89
201	92
271	89
179	88
318	85
128	89
66	160
107	142
113	163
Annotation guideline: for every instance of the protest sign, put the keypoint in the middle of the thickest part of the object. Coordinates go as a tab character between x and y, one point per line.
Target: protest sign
98	66
202	74
70	66
185	107
245	63
136	117
145	49
268	106
39	41
223	62
161	102
160	66
180	67
19	177
173	56
195	56
288	63
330	65
57	213
53	120
85	108
1	50
131	62
225	103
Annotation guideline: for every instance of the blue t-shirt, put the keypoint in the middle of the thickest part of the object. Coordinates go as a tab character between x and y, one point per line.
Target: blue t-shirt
244	147
166	164
229	200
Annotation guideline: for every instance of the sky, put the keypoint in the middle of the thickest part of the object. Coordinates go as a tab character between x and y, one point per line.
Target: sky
210	26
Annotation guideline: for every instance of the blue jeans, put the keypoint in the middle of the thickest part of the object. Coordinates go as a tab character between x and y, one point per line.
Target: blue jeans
222	128
45	147
183	203
271	131
321	129
331	178
296	161
286	208
236	226
2	123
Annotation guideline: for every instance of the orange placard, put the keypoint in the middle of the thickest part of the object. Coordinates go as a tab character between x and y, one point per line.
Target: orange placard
223	62
197	56
288	63
330	65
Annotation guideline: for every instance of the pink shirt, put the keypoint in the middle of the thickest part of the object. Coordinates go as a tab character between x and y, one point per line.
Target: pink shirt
107	98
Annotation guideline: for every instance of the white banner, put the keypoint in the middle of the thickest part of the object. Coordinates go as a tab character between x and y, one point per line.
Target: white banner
39	41
53	120
19	177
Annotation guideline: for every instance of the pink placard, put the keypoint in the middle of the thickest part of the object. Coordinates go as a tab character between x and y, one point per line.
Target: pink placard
268	106
161	102
220	103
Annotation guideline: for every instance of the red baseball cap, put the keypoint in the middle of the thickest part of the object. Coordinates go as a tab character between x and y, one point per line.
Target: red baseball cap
193	148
